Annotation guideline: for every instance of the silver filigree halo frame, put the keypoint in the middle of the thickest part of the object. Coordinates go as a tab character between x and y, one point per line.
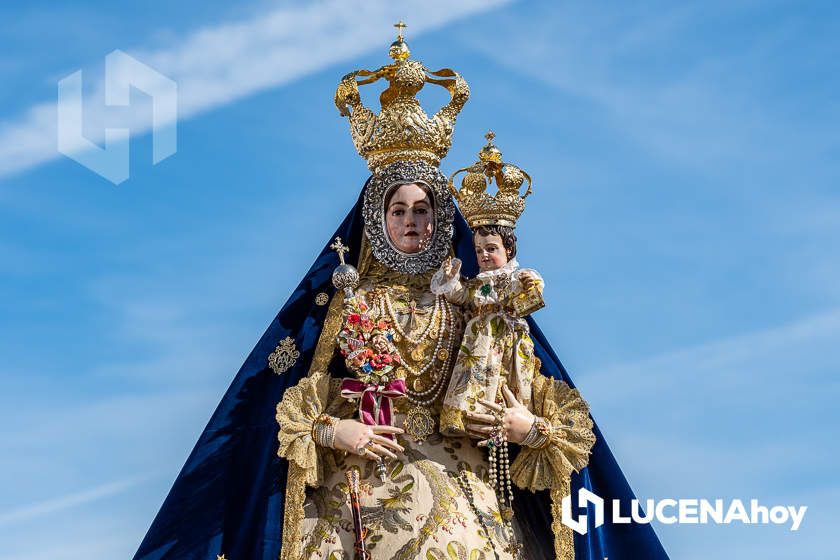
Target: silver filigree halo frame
373	212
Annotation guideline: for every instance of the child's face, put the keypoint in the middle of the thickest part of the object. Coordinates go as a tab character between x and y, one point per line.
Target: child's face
490	252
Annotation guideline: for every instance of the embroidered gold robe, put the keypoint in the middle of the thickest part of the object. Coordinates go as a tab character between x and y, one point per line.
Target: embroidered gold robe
436	502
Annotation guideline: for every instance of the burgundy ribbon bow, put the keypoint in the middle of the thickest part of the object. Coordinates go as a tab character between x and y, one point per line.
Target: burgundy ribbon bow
374	400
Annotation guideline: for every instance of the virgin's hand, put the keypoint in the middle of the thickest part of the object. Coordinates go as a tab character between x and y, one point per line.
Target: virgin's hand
516	418
352	435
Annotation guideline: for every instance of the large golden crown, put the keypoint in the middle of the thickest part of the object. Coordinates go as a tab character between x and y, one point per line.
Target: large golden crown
478	206
401	130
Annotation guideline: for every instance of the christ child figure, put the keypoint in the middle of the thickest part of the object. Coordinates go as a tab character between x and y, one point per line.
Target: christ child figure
496	348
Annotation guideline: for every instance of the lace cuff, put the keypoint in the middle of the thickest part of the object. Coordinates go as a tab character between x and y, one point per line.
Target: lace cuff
570	438
300	407
441	287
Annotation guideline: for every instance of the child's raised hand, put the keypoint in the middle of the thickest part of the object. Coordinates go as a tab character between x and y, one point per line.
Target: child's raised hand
449	268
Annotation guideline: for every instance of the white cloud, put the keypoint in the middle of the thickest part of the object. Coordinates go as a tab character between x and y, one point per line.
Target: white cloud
806	344
217	65
68	501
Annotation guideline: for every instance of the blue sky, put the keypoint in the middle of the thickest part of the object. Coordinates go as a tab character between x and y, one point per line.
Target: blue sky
686	218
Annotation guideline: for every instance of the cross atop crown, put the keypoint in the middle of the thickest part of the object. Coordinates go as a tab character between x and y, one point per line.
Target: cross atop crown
400	26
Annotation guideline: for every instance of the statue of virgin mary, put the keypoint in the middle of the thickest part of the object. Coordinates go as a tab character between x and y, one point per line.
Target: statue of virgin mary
267	478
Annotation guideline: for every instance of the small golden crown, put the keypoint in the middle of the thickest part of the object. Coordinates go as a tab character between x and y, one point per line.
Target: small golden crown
479	207
401	130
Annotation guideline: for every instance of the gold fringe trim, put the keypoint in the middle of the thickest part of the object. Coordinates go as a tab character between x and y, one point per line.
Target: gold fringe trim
326	341
564	543
293	516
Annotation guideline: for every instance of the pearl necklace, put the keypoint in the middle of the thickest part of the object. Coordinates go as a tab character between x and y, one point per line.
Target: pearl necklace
389	306
417	397
441	315
445	339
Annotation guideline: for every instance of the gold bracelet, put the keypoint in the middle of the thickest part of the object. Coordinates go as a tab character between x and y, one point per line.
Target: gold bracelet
323	430
538	436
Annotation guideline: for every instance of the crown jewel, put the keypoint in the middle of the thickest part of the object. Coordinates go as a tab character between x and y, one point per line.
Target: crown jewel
402	130
478	206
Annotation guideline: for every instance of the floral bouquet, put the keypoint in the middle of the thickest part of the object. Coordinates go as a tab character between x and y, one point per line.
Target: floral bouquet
366	342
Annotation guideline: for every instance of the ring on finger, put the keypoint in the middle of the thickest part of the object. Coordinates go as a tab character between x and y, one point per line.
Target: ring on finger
379	450
370	455
385	442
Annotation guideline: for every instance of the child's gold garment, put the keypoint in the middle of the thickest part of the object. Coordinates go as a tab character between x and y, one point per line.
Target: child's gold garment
496	343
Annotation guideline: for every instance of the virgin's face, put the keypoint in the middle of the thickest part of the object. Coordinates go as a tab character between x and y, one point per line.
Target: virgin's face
409	219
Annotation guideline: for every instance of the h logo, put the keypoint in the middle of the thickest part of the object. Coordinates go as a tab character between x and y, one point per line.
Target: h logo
121	73
580	525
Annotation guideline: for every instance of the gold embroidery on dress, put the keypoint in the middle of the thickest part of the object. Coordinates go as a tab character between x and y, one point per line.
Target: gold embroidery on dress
284	356
389	513
328	503
455	551
443	505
